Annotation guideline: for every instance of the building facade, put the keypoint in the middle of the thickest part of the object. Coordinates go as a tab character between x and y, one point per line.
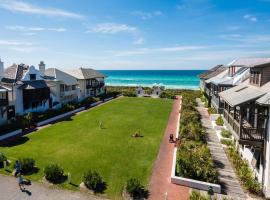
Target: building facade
90	82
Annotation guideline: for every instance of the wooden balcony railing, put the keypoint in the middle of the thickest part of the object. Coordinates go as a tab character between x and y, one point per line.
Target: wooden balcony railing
3	102
244	133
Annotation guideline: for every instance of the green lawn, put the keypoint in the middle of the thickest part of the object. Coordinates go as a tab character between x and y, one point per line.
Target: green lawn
79	144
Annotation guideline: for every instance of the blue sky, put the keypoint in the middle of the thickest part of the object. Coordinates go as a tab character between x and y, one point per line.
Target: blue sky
133	34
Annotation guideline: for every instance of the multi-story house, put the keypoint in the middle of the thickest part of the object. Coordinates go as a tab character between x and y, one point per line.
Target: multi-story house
90	81
64	87
28	92
236	73
206	87
246	114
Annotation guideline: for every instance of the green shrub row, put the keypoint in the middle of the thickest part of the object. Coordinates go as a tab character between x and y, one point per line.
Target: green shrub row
243	171
226	133
193	156
197	196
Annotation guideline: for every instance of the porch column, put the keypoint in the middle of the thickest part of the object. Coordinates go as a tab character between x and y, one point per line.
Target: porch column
255	117
248	114
266	177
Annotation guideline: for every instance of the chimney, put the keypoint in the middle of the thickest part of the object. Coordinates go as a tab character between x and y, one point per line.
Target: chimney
1	69
41	68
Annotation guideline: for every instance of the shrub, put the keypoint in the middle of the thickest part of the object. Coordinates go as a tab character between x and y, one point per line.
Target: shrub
194	161
27	165
54	173
225	133
197	196
93	181
219	121
212	110
129	94
2	159
135	188
243	171
226	142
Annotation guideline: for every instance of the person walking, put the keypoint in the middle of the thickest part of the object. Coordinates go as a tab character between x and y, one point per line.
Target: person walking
17	168
21	182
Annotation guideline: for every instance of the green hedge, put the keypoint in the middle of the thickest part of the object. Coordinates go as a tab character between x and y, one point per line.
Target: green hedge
193	156
244	172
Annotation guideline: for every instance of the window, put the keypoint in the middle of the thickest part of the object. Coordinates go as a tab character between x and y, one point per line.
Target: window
73	87
255	77
32	77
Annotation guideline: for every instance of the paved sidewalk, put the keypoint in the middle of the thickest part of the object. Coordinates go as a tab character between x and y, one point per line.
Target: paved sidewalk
9	190
229	183
160	187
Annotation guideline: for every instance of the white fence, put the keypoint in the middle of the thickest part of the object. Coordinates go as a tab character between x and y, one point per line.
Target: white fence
58	117
11	134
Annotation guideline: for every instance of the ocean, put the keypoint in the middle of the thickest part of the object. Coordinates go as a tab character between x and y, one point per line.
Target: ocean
171	79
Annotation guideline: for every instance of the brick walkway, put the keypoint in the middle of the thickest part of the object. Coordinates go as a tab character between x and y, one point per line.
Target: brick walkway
160	187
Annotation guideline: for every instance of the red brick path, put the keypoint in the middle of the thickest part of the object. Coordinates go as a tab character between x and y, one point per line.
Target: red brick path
160	183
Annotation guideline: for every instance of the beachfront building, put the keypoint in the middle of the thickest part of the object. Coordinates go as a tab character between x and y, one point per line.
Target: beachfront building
90	82
157	90
63	87
27	90
246	114
236	72
139	91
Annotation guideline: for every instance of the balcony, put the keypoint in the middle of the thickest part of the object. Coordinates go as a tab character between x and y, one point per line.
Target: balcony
95	85
3	102
244	132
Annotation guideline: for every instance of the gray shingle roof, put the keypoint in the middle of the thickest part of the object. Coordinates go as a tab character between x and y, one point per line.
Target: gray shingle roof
212	72
250	62
58	75
85	73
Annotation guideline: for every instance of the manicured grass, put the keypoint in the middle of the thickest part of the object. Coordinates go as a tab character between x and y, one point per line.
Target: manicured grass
79	144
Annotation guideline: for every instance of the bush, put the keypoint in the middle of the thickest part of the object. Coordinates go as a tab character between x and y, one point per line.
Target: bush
27	165
219	121
212	110
197	196
244	172
93	181
2	159
194	161
54	173
225	133
129	94
134	188
226	142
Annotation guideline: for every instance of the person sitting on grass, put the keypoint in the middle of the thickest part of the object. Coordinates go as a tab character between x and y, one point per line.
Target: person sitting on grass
137	134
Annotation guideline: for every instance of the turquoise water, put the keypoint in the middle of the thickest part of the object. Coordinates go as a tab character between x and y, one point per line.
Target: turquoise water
174	79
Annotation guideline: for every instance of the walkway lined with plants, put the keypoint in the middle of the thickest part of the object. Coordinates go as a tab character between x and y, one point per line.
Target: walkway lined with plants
160	187
227	177
9	190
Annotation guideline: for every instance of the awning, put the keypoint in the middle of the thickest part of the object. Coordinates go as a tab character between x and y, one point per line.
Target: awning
31	85
264	100
241	94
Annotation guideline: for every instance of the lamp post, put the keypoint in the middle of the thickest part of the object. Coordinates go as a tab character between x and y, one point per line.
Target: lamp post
210	192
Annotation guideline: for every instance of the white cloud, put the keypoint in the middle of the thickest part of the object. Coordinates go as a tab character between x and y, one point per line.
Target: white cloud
113	28
34	29
143	51
24	49
230	36
139	41
251	18
147	15
23	7
14	43
58	29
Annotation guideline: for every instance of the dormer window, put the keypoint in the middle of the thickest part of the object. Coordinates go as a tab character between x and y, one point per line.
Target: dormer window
32	77
255	77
